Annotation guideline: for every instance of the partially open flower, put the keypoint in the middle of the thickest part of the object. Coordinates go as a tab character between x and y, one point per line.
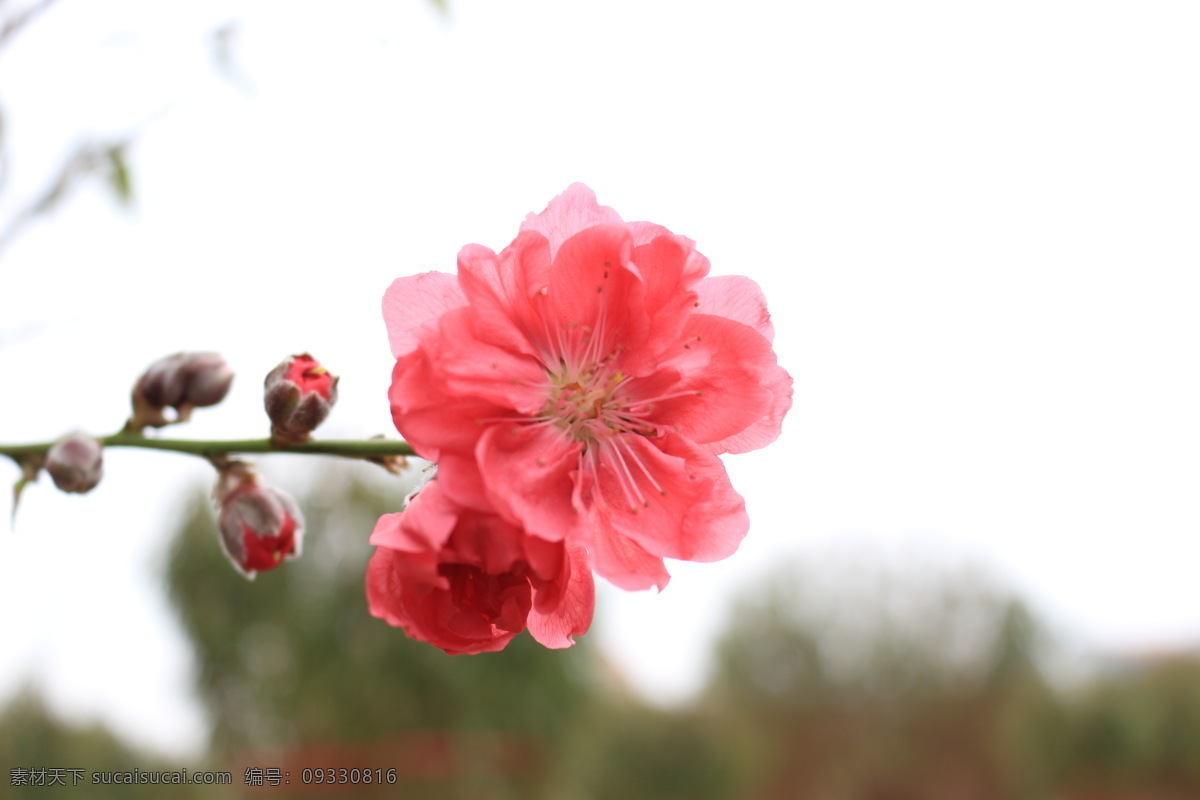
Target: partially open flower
260	526
76	463
467	581
298	395
182	381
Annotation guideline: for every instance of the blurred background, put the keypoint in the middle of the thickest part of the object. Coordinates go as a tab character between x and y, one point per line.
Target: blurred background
971	566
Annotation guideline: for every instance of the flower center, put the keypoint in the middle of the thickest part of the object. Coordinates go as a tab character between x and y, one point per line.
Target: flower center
585	403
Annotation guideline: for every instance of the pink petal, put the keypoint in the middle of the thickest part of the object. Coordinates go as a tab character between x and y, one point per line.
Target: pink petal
766	428
528	471
662	264
571	615
734	384
430	417
597	294
546	560
470	367
459	477
485	540
626	564
419	532
417	564
429	614
737	298
695	267
424	526
668	496
566	215
504	289
412	302
386	585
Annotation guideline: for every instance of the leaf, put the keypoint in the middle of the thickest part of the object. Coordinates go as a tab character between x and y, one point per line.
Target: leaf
118	176
29	474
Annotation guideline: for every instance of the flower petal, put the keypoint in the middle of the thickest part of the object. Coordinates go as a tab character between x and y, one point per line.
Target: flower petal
568	214
424	526
415	301
626	564
471	367
432	614
766	428
459	477
595	291
431	417
571	613
695	267
733	383
529	472
663	264
485	540
503	290
737	298
669	496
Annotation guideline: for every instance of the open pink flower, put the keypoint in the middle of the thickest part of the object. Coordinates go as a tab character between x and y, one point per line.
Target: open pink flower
468	582
582	382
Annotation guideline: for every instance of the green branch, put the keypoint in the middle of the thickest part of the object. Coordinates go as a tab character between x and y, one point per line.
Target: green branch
210	449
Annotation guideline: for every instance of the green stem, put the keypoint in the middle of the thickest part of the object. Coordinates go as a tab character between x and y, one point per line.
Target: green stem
210	449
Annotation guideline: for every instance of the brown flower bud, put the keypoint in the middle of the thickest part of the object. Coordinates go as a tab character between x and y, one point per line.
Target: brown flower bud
182	381
76	463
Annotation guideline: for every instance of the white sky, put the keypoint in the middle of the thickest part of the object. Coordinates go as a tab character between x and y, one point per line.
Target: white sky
976	224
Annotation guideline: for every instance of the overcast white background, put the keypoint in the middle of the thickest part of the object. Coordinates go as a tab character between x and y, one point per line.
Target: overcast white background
976	225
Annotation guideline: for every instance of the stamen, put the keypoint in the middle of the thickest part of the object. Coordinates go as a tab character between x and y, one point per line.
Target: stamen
645	401
629	482
633	457
527	420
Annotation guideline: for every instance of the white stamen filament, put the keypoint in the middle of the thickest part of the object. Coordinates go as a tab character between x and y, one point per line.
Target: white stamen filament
626	477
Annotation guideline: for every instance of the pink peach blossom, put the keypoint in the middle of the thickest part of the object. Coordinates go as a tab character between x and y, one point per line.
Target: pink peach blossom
581	383
468	582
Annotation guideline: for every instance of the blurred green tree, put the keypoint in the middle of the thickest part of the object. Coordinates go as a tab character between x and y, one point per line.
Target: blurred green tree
863	679
32	738
1133	732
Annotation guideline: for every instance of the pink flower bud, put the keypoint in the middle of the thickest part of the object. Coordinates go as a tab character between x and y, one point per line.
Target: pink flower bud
182	381
260	526
298	395
76	463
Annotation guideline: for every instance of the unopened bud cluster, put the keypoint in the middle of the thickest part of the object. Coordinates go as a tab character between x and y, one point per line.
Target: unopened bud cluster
259	526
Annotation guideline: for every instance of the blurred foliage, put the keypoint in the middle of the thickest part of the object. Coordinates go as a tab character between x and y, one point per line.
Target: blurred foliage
861	680
1133	732
632	751
32	738
835	679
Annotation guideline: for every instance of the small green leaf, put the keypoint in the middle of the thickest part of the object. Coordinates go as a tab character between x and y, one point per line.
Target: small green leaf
118	175
18	487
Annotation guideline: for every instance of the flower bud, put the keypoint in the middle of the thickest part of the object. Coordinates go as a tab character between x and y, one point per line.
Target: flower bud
298	395
206	379
183	381
76	463
260	526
